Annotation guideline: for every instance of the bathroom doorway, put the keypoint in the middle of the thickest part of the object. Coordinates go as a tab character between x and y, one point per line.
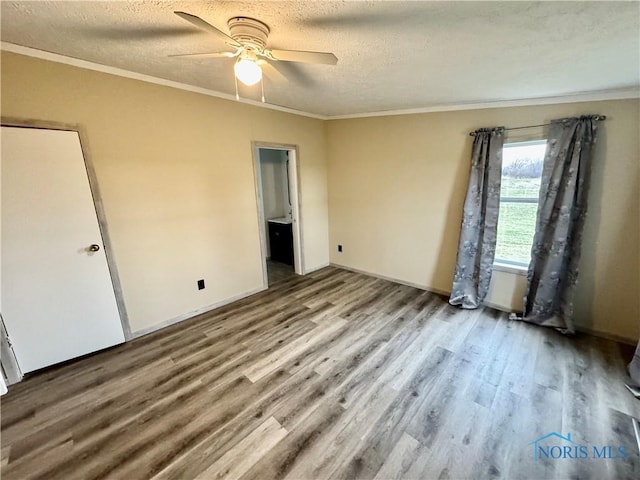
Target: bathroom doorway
276	175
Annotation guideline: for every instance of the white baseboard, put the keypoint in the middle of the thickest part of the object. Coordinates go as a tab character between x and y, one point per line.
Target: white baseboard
444	293
316	268
213	306
588	331
194	313
608	336
392	279
180	318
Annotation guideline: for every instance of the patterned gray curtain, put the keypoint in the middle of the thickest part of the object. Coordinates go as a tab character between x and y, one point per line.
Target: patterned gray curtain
553	271
634	367
477	246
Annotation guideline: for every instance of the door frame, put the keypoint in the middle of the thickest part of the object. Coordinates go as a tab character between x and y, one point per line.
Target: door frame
97	203
296	214
9	363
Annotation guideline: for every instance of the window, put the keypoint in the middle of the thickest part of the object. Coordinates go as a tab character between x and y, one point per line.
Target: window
521	173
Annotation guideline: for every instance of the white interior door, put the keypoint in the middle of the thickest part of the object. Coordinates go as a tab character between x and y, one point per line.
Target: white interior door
295	212
58	301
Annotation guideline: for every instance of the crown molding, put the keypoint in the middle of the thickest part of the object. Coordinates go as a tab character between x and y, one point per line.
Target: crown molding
601	95
597	96
75	62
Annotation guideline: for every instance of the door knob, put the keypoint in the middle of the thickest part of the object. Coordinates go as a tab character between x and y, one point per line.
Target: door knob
94	247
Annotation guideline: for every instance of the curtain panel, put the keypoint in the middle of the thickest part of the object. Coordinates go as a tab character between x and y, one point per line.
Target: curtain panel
477	246
634	367
553	271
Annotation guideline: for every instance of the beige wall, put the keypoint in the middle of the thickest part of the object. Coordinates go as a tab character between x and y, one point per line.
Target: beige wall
397	185
176	175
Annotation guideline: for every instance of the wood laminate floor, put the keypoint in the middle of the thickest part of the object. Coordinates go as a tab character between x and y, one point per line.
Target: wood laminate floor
331	375
277	272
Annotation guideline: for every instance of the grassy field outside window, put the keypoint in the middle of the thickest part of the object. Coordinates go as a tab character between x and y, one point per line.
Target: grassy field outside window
521	172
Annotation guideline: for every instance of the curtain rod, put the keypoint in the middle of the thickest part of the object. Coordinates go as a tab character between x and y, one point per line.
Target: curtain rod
596	117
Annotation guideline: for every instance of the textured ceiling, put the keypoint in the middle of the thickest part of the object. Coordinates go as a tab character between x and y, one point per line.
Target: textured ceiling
392	55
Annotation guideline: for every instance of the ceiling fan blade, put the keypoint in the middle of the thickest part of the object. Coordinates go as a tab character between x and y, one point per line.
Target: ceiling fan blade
304	57
198	22
272	72
208	55
138	34
293	72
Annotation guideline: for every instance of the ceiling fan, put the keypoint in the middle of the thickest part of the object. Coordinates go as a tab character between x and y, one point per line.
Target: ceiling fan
248	39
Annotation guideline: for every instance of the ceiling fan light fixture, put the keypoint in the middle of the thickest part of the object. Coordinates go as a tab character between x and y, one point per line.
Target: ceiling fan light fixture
247	71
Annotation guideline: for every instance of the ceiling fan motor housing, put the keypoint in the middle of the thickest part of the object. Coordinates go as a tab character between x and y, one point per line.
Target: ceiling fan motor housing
249	32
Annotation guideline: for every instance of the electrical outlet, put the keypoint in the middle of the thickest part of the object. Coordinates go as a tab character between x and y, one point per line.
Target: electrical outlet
340	248
200	284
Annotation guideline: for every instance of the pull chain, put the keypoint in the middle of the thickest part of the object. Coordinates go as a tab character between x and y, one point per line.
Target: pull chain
262	85
236	82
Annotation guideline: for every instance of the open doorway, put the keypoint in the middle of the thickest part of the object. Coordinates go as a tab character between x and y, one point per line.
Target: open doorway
276	176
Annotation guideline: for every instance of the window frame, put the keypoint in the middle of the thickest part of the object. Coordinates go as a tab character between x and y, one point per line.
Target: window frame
505	264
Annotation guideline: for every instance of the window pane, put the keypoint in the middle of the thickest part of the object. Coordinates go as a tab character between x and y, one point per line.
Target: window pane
516	226
521	171
522	168
520	187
